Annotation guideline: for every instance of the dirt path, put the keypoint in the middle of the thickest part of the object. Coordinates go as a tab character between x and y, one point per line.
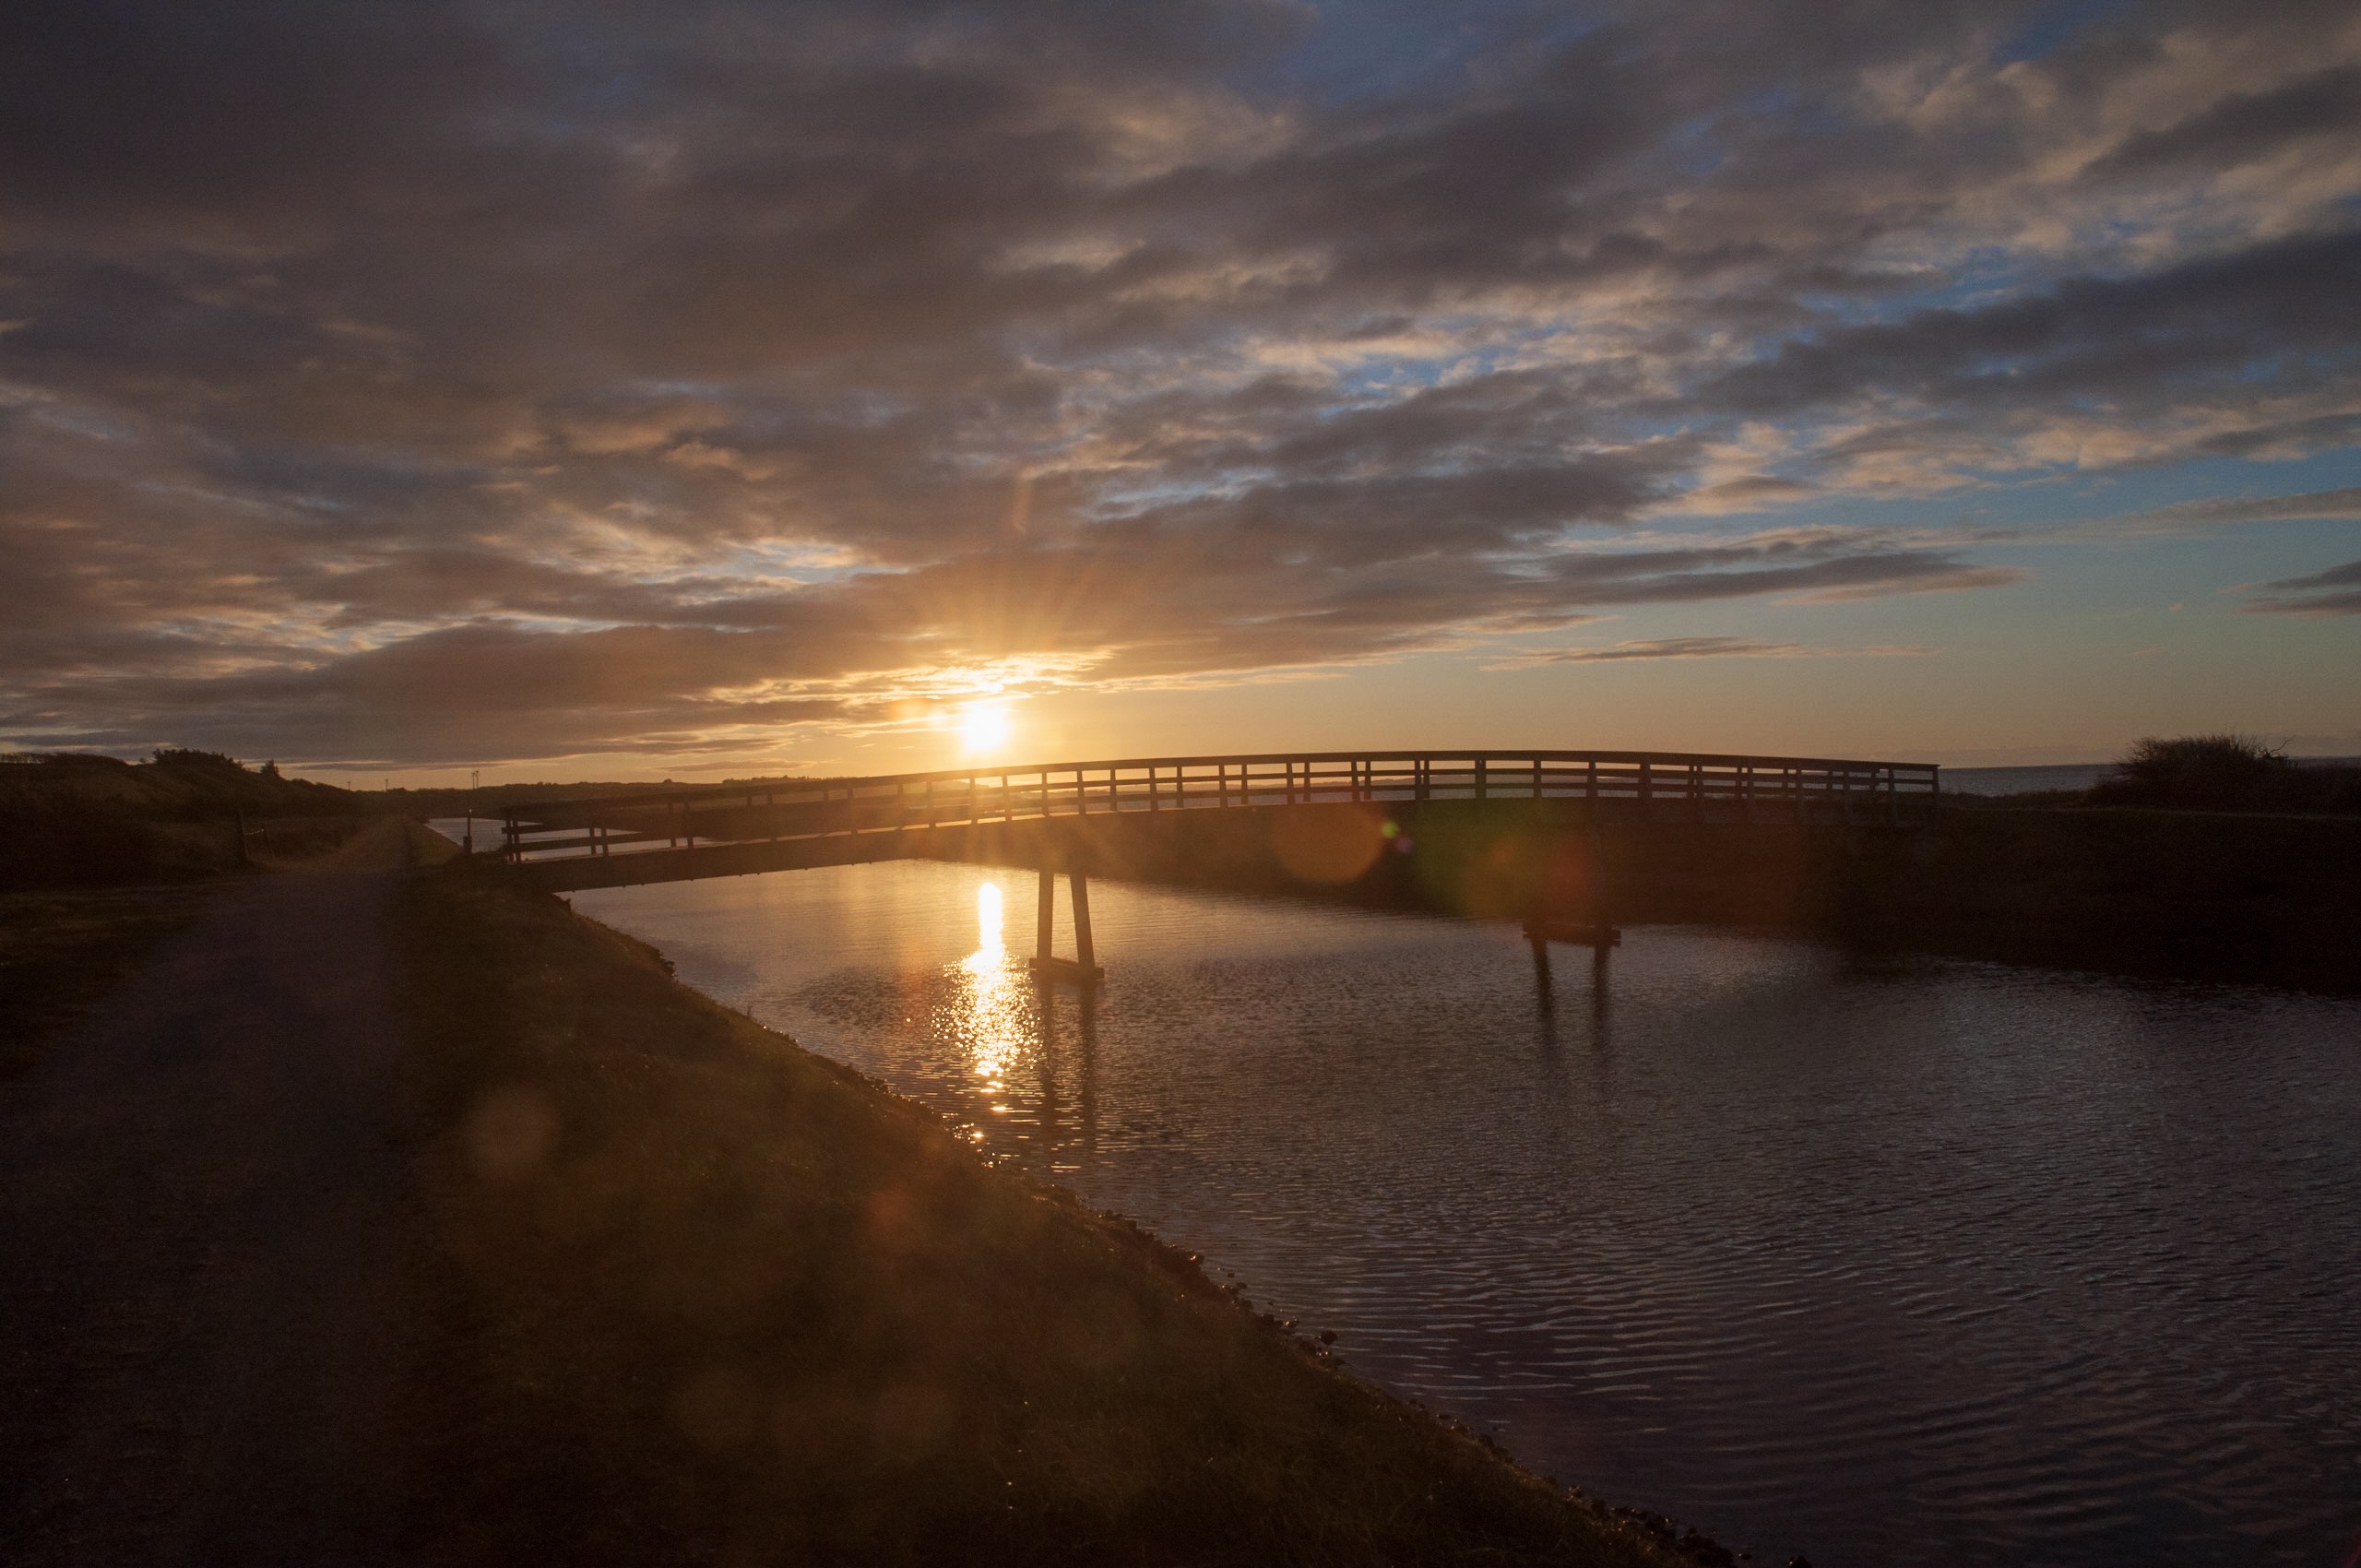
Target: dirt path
199	1209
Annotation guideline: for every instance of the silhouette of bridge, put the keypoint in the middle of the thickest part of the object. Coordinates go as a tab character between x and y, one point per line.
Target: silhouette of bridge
1067	816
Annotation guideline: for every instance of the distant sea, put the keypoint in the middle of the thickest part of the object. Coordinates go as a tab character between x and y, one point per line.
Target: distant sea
2063	776
2024	780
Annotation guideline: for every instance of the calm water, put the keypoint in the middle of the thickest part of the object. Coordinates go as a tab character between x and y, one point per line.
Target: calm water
1937	1264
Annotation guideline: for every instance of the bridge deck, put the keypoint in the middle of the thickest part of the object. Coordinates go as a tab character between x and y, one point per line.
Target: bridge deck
826	822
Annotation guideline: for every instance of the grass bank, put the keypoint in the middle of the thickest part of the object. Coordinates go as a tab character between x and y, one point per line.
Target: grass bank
700	1296
76	820
2239	897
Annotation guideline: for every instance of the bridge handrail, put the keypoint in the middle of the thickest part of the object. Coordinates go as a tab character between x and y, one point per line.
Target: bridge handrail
823	807
1922	775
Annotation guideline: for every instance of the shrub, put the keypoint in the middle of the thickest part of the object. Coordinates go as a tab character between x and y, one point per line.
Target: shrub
2224	773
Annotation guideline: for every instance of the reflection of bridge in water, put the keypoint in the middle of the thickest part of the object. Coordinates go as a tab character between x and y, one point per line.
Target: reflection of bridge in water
1323	819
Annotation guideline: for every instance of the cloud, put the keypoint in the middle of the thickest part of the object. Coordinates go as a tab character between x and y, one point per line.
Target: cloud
2336	591
2226	511
2244	127
1700	648
718	373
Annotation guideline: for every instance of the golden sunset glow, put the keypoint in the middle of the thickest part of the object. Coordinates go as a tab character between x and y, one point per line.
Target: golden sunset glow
984	728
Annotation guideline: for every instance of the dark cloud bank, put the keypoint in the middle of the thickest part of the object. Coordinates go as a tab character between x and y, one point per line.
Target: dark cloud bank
443	382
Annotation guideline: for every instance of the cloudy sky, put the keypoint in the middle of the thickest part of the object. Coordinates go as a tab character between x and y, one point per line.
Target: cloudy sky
692	388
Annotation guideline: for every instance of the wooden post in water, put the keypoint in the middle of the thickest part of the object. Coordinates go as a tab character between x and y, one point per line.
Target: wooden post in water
1080	886
1084	971
1046	930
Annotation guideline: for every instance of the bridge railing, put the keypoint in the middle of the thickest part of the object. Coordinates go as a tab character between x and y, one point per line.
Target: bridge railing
1700	786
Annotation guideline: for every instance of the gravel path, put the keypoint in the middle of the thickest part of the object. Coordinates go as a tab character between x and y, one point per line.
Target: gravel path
200	1212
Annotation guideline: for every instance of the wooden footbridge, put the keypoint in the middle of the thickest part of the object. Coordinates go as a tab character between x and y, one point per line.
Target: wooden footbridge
1072	817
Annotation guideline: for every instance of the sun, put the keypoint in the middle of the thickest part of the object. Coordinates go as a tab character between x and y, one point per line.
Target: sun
984	727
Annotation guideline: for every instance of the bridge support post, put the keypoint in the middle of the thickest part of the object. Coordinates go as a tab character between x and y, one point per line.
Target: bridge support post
1047	966
1595	930
1078	886
1045	928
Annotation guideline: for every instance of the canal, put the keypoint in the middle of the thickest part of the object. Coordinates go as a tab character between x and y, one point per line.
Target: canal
1915	1262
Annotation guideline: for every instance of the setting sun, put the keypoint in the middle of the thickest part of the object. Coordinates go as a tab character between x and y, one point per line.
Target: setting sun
983	728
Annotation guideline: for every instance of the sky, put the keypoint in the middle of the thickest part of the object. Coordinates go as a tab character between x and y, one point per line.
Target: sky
397	388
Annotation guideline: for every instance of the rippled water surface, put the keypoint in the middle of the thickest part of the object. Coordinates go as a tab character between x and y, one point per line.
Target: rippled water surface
1933	1263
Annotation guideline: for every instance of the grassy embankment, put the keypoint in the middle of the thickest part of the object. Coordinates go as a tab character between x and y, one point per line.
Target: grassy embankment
100	860
706	1297
73	820
2226	896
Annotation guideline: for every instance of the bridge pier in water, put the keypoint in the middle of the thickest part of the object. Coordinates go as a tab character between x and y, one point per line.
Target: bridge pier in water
1595	931
1598	936
1083	969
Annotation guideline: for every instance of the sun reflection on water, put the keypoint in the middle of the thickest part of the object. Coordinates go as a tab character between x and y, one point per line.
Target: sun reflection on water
992	1015
998	1026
